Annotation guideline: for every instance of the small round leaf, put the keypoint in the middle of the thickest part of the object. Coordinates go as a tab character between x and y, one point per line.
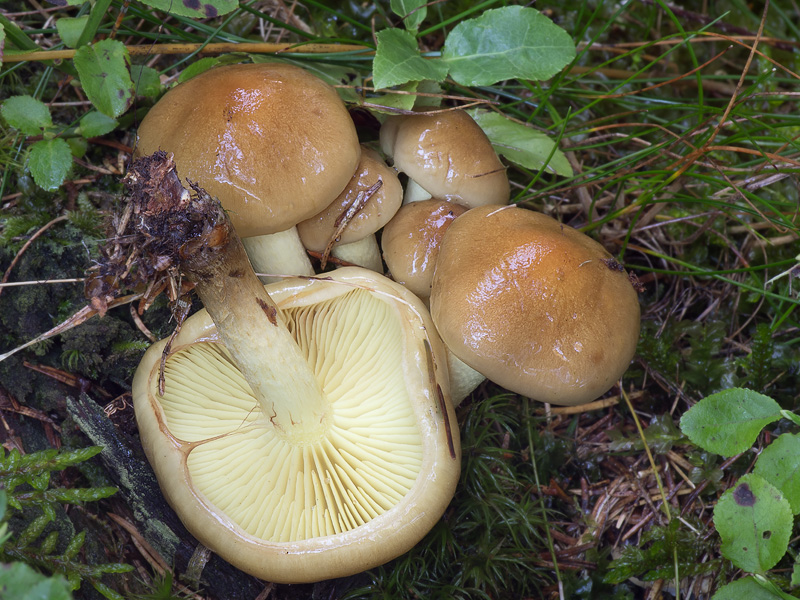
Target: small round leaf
754	521
50	161
729	422
26	113
779	464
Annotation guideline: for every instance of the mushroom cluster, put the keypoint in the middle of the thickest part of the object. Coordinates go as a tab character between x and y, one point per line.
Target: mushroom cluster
305	429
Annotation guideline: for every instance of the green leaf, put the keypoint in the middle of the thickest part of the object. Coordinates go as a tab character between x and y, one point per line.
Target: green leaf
103	70
413	12
50	161
729	422
754	521
19	582
95	124
521	144
514	42
794	418
78	146
75	545
749	588
26	113
390	103
199	66
146	81
70	29
398	60
795	582
779	464
198	9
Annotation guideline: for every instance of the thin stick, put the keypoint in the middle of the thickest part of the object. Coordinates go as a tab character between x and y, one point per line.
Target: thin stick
27	245
216	48
83	315
41	281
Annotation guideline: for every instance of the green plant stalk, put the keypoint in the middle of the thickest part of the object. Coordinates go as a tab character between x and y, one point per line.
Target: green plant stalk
664	502
99	10
550	545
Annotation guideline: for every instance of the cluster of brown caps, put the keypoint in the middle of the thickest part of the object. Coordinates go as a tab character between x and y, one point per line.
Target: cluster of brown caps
305	429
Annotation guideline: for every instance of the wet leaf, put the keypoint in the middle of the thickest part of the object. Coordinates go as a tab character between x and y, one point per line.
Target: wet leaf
198	9
50	161
71	28
398	60
26	113
146	81
103	70
521	144
754	521
514	42
95	124
729	422
413	12
779	464
749	588
19	582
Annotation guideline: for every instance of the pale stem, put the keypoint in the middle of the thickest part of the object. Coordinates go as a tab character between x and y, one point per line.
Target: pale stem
463	378
415	192
280	253
364	253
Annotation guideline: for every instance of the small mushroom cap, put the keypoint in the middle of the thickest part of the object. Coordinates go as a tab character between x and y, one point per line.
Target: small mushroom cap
449	155
536	306
410	242
316	232
363	492
274	143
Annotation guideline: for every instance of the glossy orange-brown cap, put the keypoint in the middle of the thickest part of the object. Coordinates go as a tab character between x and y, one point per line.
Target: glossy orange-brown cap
274	143
449	155
534	305
379	208
410	242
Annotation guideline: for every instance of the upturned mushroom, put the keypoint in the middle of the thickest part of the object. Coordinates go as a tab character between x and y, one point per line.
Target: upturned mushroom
302	431
274	143
346	228
446	155
534	305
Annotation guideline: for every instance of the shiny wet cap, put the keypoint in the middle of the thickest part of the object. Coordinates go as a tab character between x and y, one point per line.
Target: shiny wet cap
534	305
410	242
381	206
447	154
274	143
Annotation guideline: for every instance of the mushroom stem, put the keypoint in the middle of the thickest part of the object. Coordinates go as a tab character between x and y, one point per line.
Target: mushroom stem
415	192
463	378
364	253
280	253
195	233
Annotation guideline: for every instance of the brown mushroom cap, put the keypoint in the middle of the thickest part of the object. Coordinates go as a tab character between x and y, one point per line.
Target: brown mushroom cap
274	143
410	242
316	232
447	154
534	305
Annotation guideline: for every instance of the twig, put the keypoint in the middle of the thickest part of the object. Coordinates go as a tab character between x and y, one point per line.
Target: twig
83	315
216	48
